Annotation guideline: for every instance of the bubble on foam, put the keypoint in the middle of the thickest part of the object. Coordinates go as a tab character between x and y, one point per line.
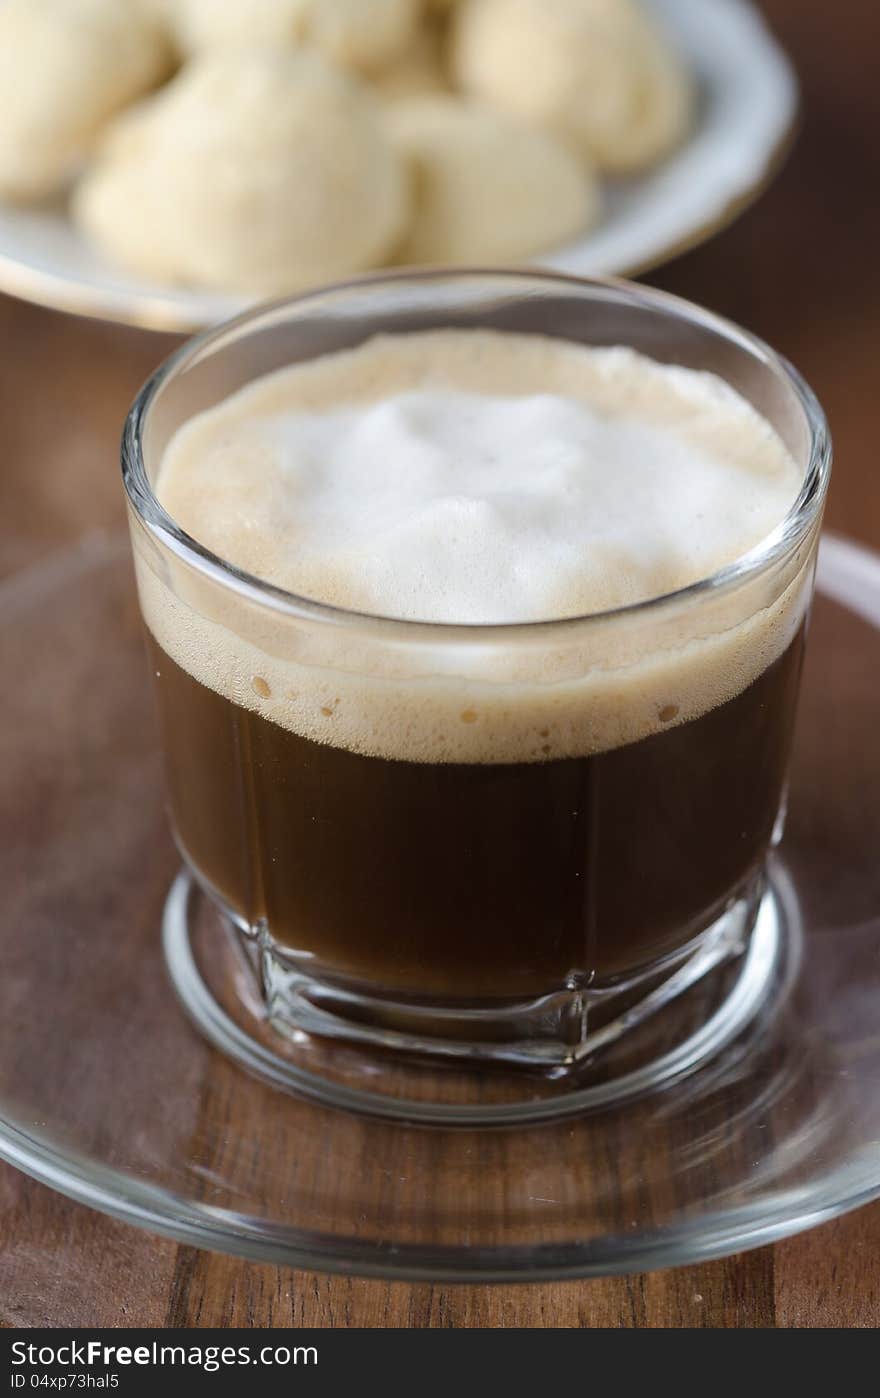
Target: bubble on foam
474	476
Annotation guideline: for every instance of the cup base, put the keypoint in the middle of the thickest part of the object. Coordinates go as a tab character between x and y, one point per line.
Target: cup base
586	1048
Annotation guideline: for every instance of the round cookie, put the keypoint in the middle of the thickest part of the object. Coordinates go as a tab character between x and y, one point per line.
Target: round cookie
596	72
260	170
65	67
362	34
487	187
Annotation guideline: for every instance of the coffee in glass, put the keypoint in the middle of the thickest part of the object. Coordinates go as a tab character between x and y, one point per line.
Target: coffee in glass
476	605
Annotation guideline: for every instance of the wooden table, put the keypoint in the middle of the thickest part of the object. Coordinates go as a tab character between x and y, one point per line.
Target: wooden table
799	269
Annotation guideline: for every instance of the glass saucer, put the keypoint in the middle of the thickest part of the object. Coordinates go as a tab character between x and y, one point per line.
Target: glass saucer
108	1094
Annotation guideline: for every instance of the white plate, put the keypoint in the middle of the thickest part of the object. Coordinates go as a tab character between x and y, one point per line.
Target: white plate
748	105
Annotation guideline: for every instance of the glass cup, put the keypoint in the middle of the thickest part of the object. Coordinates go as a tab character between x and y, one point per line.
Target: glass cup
468	840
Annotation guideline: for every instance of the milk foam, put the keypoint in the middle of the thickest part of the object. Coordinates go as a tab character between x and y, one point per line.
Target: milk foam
477	477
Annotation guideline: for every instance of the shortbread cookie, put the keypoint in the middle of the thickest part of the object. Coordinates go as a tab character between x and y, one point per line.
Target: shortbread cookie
486	187
596	72
261	170
65	67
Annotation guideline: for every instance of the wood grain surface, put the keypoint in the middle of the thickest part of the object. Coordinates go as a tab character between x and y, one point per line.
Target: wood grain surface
801	270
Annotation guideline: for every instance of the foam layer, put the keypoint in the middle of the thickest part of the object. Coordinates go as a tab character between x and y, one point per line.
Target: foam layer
477	477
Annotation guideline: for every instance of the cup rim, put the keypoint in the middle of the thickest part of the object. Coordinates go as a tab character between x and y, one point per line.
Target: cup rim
775	546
